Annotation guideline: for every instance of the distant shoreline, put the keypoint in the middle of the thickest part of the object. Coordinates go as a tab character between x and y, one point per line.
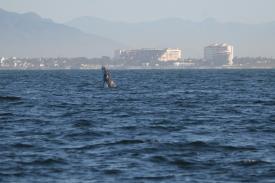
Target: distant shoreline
139	68
82	63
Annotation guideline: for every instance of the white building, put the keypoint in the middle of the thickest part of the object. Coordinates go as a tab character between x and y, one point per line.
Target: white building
219	54
171	55
163	55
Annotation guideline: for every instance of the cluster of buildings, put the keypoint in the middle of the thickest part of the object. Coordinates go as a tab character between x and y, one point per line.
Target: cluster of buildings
52	63
214	55
162	55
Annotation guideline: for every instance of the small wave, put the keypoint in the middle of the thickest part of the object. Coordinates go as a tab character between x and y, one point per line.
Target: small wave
93	146
9	98
185	104
6	174
165	128
239	148
112	172
198	144
128	142
21	145
121	115
6	114
195	145
250	162
129	127
82	123
123	142
150	150
46	162
155	178
88	134
265	102
181	163
158	159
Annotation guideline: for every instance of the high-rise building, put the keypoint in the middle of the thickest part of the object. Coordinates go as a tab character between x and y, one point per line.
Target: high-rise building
163	55
219	54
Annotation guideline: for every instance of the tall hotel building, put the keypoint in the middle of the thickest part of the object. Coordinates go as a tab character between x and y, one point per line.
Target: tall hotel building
219	54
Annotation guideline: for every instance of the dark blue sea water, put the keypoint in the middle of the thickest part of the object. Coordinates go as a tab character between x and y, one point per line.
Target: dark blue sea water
157	126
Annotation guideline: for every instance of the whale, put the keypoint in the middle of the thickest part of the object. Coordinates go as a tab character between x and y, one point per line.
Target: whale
107	79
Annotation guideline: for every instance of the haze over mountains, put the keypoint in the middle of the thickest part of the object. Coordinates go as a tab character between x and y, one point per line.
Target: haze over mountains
29	35
248	39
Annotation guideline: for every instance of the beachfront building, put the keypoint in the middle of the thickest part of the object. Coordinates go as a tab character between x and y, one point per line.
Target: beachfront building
147	55
219	54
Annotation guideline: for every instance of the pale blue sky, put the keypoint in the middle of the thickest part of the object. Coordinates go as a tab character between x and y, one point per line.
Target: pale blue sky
249	11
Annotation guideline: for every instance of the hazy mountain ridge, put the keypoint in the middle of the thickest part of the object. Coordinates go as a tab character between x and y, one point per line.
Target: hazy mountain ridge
248	39
29	35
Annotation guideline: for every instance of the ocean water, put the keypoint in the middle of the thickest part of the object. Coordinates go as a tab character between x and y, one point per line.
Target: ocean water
157	126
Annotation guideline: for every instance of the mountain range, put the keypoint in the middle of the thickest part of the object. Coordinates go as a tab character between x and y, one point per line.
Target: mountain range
29	35
248	39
